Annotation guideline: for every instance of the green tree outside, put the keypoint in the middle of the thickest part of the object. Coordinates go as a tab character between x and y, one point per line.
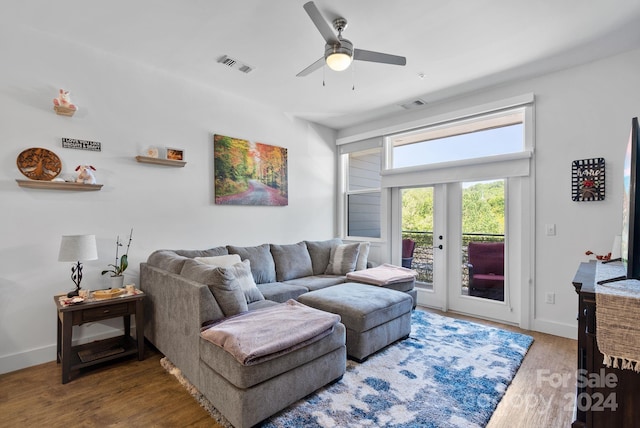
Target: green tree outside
482	208
482	214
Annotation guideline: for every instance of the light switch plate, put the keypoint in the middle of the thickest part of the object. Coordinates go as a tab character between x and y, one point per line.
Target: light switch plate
550	229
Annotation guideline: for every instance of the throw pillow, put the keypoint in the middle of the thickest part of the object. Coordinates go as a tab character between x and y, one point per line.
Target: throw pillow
343	259
292	261
219	261
217	251
262	265
363	255
167	260
320	251
242	272
223	285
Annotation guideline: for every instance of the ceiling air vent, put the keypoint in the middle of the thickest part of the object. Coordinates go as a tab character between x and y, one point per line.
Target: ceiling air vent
413	104
235	64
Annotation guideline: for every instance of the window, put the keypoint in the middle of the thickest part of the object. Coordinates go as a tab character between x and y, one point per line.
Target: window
363	196
484	142
480	137
364	215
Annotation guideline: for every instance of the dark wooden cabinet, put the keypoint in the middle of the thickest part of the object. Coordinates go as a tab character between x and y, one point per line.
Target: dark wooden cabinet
605	397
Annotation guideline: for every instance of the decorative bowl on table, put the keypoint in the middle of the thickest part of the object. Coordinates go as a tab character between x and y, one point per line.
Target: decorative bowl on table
108	294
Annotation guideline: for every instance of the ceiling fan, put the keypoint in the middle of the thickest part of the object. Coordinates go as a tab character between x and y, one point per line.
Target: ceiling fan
339	52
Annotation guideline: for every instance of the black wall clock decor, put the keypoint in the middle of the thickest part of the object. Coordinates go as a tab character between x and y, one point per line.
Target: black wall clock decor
587	180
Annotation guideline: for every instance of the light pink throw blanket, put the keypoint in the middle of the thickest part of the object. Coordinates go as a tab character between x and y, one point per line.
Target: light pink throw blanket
383	275
260	335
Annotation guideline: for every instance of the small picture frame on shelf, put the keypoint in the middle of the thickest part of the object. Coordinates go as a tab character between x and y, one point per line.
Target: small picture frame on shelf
153	152
175	154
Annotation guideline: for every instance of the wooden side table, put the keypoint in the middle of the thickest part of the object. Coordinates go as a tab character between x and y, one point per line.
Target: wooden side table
89	354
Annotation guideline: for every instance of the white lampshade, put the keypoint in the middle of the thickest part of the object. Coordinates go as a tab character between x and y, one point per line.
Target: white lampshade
339	61
75	248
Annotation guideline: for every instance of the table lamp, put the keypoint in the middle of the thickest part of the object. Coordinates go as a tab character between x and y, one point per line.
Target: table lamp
74	248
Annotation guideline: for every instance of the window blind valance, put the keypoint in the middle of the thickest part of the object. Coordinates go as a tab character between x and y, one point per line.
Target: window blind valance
502	166
358	146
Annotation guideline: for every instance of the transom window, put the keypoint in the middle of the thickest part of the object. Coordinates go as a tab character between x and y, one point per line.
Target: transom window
483	143
498	134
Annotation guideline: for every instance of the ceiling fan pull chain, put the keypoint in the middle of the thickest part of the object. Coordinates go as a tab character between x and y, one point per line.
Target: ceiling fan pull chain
353	76
323	67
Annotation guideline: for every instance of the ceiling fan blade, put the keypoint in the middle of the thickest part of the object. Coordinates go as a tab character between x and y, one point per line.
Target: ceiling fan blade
320	23
362	55
313	67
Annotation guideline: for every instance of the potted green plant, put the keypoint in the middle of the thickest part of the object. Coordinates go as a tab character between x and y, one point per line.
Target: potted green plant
122	262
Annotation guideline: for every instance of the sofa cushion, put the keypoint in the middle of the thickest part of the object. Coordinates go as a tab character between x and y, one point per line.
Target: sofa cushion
363	255
316	282
245	377
361	306
222	283
225	260
217	251
261	304
242	272
292	261
167	260
343	259
262	265
320	251
281	292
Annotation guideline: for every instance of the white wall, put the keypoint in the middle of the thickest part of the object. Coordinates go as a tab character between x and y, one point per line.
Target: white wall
582	112
128	107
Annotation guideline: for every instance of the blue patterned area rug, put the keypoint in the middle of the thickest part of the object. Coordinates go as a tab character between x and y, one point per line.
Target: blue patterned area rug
448	373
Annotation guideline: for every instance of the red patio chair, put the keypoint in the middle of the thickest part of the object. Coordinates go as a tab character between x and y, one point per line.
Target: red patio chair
408	246
486	270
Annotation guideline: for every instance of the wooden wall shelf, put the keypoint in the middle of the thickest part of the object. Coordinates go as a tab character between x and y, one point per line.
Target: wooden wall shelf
64	111
57	185
158	161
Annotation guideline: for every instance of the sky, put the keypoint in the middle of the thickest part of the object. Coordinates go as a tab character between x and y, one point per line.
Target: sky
507	139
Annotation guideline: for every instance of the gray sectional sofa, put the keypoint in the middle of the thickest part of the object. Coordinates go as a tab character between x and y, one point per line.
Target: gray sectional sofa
184	294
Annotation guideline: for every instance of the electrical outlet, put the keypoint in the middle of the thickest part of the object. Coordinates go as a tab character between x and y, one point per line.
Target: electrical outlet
550	298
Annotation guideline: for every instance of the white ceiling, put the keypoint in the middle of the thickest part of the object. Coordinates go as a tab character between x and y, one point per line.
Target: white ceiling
456	45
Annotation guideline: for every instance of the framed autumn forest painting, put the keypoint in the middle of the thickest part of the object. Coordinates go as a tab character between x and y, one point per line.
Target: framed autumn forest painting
248	173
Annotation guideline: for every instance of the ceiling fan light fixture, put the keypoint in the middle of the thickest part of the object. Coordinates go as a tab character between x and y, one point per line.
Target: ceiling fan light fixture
338	61
339	56
338	52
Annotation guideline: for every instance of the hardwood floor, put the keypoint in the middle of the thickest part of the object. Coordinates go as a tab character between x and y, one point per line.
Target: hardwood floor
134	393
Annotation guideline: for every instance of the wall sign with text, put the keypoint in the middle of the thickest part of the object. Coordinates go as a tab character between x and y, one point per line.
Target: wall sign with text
587	180
72	143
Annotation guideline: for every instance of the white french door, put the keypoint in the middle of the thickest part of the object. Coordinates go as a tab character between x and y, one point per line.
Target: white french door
477	214
441	254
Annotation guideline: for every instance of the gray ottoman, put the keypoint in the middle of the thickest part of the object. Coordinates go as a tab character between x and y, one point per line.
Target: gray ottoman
374	316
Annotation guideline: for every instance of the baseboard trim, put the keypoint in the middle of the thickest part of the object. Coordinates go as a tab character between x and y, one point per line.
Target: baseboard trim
32	357
46	354
555	328
427	299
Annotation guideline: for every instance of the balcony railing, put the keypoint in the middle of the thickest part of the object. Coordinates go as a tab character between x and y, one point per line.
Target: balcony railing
423	252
